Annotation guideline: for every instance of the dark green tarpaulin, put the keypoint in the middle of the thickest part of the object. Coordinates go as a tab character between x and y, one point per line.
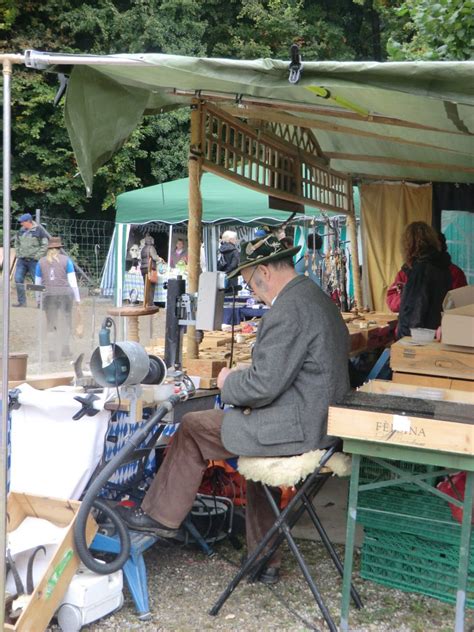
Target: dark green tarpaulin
401	120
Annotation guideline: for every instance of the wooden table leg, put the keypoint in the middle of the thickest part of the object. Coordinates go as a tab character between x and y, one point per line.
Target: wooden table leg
350	536
464	552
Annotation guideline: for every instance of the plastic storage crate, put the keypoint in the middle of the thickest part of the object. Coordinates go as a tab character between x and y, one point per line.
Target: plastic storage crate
372	472
415	564
397	510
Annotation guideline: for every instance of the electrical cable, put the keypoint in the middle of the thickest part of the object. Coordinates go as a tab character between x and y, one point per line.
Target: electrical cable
90	499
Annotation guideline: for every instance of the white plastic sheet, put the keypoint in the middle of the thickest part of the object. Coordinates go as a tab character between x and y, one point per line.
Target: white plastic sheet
51	454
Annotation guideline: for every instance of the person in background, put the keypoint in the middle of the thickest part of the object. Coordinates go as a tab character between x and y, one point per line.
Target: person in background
179	254
394	292
148	252
311	258
31	243
458	278
428	279
228	255
55	272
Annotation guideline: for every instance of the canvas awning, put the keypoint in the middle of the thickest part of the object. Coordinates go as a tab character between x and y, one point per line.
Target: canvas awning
223	201
398	120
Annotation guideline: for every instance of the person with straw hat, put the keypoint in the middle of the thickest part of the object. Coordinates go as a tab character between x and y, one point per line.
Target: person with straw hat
55	272
279	404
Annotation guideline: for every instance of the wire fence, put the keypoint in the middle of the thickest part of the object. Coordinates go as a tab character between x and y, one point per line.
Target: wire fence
86	241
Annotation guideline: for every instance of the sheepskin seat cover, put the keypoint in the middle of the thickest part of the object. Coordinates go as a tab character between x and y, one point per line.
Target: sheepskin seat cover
287	471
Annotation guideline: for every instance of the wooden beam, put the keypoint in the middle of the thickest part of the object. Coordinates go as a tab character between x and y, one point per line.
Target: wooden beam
290	106
290	119
195	216
235	177
352	230
414	164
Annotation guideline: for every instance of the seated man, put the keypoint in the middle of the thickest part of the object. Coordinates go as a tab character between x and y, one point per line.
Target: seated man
280	403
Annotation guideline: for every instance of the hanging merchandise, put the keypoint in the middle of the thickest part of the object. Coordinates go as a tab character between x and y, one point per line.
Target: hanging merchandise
334	277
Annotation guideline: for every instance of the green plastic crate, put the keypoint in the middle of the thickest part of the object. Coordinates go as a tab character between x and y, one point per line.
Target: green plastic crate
398	510
414	564
372	472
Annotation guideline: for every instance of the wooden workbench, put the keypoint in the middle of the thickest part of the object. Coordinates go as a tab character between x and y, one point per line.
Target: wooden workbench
387	428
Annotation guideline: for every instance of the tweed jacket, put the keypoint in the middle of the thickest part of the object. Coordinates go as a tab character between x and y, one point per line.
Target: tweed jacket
299	367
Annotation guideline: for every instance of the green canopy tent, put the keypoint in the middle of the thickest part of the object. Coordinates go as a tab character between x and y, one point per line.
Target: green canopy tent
224	202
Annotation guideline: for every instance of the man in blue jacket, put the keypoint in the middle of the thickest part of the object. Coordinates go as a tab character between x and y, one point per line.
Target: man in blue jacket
31	243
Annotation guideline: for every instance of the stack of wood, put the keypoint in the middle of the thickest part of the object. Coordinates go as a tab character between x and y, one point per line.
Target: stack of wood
369	330
214	354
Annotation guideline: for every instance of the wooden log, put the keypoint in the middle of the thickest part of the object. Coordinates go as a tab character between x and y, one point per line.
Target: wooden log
352	230
195	216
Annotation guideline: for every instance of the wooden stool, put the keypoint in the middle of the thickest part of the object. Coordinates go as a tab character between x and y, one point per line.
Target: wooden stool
307	472
133	314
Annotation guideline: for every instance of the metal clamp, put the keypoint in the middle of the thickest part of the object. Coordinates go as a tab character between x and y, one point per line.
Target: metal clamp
296	65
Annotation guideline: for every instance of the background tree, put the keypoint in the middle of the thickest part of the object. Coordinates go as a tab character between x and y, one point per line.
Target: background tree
44	169
433	30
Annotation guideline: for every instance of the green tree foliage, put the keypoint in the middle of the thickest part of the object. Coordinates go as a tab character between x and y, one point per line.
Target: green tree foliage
433	30
326	29
44	170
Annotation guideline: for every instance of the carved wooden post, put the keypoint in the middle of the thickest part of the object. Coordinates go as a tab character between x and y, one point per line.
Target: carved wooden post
352	234
195	215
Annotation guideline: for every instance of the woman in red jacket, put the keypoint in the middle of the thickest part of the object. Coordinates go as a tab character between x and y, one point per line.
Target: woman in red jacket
394	292
428	279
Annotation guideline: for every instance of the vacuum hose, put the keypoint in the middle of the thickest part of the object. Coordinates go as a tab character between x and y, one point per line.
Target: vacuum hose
90	499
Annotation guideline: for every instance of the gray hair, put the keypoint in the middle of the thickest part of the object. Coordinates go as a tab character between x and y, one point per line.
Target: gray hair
229	235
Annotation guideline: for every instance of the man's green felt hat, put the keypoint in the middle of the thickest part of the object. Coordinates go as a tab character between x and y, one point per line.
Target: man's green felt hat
262	251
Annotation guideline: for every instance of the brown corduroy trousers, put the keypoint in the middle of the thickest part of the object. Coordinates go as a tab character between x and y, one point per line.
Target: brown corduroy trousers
174	488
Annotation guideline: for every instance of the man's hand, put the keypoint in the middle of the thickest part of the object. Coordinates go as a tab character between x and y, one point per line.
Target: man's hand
221	378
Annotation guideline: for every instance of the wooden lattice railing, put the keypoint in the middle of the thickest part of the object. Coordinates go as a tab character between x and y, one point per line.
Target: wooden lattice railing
268	163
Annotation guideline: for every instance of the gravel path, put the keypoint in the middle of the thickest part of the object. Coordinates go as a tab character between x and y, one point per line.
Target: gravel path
183	585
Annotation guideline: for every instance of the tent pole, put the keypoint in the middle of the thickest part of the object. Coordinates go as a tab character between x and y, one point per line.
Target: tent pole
195	215
352	229
7	72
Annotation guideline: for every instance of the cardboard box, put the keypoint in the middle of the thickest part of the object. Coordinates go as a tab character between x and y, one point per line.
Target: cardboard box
459	298
52	586
457	323
457	326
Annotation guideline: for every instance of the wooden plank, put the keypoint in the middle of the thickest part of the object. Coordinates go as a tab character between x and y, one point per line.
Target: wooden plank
415	164
433	381
261	188
208	382
432	358
204	367
291	106
433	434
290	119
50	589
47	380
413	390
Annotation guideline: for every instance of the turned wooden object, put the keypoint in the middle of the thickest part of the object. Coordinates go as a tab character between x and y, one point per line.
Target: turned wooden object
133	314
